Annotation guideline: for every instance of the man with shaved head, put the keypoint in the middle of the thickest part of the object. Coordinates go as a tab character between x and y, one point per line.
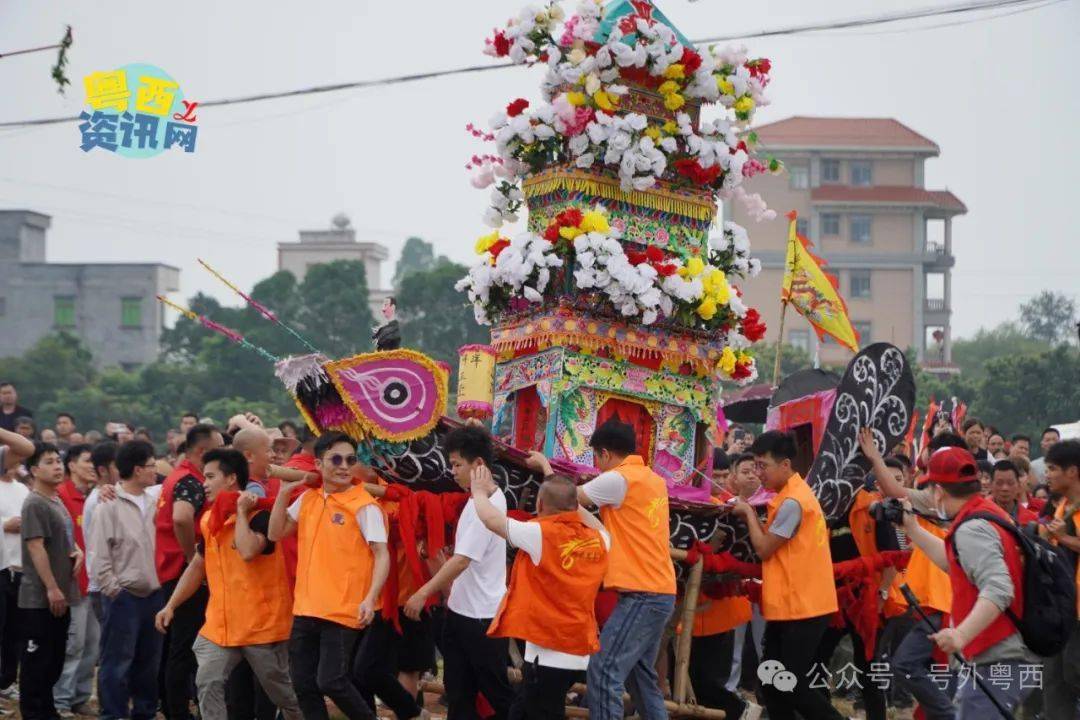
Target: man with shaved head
254	443
562	558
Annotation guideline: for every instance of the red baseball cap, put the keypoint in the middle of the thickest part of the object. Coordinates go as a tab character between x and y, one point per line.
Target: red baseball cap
951	465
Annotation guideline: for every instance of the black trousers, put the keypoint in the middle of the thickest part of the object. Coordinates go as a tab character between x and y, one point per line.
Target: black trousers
11	618
873	696
472	663
542	692
245	698
794	643
320	659
180	665
42	661
376	666
710	667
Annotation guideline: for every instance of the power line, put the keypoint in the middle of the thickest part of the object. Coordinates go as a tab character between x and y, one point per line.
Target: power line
775	32
29	50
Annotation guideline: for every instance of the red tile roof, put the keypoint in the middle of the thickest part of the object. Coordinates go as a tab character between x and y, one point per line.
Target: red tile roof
887	194
835	132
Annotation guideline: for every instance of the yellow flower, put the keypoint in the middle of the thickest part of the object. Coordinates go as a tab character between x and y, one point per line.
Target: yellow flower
707	309
668	88
725	87
595	221
744	104
556	12
695	266
675	71
575	98
484	243
727	360
569	233
653	132
605	100
671	127
674	101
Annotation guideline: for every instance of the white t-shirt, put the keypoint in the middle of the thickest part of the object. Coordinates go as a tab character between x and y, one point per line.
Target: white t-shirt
608	488
528	536
477	592
12	495
369	518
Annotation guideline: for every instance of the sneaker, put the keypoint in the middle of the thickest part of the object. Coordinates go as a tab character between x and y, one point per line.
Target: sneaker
65	714
752	711
11	692
84	710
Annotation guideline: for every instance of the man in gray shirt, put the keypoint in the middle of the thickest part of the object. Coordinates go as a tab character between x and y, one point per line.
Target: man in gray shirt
50	561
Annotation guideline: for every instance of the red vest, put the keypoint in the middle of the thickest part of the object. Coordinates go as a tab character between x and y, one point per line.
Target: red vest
74	501
965	592
168	554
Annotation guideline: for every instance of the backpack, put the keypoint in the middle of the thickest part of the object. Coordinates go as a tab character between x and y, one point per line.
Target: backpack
1049	580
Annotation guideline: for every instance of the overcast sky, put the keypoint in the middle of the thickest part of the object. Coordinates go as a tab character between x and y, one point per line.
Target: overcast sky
999	97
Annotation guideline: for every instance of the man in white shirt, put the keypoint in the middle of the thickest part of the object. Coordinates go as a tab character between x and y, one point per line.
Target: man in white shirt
476	577
1050	437
14	448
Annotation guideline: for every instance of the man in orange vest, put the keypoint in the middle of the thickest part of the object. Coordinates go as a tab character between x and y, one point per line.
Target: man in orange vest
1061	676
798	595
551	600
913	660
244	572
985	567
342	565
179	508
633	504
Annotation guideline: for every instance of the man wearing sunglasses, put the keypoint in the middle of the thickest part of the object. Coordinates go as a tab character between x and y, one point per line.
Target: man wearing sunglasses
342	566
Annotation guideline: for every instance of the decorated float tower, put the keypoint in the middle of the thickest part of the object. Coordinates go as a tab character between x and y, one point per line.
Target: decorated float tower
620	295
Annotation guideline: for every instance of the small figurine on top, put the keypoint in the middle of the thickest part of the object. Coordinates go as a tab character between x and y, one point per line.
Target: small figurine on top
388	335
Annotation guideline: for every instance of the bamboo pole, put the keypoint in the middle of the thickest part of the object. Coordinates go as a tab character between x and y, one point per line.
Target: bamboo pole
779	345
682	648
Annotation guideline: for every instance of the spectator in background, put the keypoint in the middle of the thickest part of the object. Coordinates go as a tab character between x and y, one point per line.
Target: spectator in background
974	436
76	684
281	446
721	474
995	442
187	421
288	429
986	475
103	458
14	449
1050	437
737	441
11	412
1005	491
25	426
1020	446
65	425
144	435
76	438
48	435
93	437
122	542
48	587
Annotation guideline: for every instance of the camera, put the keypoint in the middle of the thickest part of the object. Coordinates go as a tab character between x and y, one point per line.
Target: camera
890	511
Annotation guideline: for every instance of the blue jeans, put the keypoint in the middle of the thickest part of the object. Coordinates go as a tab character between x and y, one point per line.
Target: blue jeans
629	644
911	670
130	655
1006	687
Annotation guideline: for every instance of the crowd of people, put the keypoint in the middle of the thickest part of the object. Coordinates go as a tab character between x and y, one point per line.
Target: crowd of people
244	572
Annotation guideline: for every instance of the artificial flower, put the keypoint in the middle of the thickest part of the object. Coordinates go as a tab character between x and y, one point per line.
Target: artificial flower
728	360
517	107
675	71
575	98
669	88
484	243
605	100
595	221
674	101
707	309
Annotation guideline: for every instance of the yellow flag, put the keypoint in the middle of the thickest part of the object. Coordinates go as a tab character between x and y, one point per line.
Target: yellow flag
813	292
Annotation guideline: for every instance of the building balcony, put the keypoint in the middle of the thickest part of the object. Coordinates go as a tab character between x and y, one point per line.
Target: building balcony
936	255
935	305
940	367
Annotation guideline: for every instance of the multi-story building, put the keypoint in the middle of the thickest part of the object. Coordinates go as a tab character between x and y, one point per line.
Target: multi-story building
858	187
338	243
110	306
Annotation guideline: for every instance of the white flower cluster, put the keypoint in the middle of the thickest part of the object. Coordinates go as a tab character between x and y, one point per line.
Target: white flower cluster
523	269
736	240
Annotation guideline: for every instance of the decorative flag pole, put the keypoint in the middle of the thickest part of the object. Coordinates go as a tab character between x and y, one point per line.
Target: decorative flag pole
258	306
219	329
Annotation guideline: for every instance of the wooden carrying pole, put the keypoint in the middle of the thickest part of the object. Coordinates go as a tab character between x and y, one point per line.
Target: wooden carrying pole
686	632
779	345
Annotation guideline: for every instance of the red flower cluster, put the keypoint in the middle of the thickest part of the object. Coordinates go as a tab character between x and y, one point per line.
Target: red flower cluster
653	256
501	44
517	107
741	371
759	67
753	329
691	61
691	169
567	218
500	245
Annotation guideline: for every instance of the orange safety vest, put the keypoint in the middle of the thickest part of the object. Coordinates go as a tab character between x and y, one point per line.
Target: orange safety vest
864	533
335	562
715	616
553	604
930	583
248	604
1059	513
797	580
640	557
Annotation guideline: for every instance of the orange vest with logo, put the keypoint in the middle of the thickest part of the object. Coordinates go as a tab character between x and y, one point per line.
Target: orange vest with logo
797	580
864	533
930	583
248	604
640	558
553	604
335	563
715	616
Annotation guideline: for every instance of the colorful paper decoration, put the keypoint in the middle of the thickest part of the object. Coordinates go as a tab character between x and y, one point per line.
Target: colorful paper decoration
476	381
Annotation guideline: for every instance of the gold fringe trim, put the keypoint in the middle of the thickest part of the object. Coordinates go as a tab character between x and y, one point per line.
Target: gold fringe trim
310	421
656	198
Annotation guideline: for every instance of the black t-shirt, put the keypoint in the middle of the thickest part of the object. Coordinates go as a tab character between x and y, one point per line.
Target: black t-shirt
260	523
7	420
190	490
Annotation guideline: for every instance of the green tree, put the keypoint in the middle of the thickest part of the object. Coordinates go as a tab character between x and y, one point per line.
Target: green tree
417	255
1024	393
55	363
971	355
792	359
1049	317
435	318
334	313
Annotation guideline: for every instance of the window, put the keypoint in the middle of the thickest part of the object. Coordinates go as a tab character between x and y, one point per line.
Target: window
863	328
131	312
860	284
800	177
830	171
860	228
799	339
830	224
802	227
64	311
862	173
